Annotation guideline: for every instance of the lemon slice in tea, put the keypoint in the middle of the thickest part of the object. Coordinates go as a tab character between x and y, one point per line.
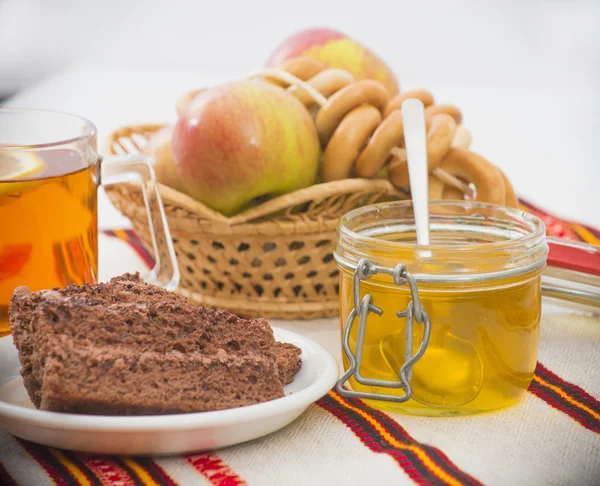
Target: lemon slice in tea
18	165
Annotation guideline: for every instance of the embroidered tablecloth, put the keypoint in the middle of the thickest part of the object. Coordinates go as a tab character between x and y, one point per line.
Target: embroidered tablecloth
552	437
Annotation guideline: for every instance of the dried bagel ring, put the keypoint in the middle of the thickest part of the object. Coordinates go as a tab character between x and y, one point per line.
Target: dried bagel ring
439	190
472	168
389	134
439	139
453	194
326	82
512	200
345	100
345	144
303	68
462	137
396	102
451	110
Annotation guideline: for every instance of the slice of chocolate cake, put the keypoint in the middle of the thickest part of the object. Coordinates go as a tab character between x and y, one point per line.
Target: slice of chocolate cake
125	288
288	361
129	348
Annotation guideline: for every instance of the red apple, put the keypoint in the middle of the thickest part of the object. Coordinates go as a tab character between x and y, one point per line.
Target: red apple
335	50
240	143
185	99
159	149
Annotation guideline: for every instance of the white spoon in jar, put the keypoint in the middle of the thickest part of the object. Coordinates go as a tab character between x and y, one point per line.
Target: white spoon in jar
450	373
415	138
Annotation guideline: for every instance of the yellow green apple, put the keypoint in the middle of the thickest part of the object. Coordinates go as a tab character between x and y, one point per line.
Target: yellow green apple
243	142
335	50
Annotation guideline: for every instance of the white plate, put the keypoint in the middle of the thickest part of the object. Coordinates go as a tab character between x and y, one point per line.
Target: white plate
163	434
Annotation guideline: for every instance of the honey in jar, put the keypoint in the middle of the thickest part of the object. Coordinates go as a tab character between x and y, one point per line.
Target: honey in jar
469	342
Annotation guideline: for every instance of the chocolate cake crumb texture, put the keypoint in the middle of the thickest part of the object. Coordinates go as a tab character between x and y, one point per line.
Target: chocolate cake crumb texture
129	348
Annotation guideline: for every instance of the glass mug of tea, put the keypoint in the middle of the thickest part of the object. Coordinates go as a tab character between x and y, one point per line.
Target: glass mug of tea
50	171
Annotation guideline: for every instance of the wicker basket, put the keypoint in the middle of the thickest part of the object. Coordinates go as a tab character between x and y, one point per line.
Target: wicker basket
274	260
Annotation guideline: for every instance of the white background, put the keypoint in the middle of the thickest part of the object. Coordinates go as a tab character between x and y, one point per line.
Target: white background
525	74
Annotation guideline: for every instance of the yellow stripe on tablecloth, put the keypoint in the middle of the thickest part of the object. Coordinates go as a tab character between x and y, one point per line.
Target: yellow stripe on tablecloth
121	234
77	473
425	459
140	472
585	234
567	397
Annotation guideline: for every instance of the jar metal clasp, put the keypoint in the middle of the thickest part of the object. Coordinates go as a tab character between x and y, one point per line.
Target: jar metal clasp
414	312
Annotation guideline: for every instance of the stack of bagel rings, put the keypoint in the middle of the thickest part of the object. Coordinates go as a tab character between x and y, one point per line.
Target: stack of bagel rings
361	132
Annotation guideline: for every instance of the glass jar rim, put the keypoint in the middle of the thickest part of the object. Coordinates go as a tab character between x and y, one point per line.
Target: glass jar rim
536	224
89	131
487	241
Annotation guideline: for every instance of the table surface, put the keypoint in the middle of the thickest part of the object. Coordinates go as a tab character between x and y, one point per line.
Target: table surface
543	140
546	439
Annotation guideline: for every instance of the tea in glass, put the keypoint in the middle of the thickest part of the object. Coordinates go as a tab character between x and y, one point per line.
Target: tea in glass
48	233
50	170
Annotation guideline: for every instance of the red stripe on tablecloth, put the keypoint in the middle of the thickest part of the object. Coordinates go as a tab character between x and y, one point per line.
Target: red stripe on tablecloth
105	469
574	258
140	248
5	478
134	477
58	473
158	474
391	425
566	397
555	401
69	457
586	234
574	391
215	470
556	227
117	471
406	459
574	230
594	231
134	241
424	464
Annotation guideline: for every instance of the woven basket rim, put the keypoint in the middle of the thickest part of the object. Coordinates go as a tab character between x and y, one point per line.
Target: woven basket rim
180	225
281	203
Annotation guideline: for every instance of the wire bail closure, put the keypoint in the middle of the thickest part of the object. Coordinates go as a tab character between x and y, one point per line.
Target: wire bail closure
414	312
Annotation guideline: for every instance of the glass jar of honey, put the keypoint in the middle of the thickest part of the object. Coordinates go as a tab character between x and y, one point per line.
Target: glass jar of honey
446	329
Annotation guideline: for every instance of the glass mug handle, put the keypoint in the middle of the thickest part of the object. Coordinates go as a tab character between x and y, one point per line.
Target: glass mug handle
117	169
